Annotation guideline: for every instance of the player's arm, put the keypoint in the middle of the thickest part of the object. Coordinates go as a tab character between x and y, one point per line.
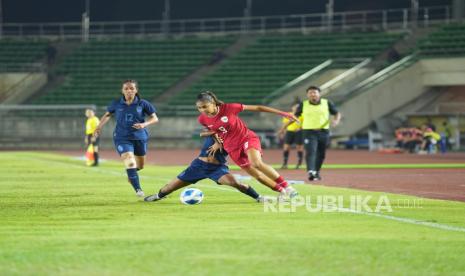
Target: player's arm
336	114
337	119
105	118
261	108
206	132
153	119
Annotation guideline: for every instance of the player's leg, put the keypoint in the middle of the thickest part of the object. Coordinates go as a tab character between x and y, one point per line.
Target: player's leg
229	180
172	186
323	143
96	154
126	150
311	146
140	150
286	148
140	162
131	169
189	176
300	155
288	140
256	162
300	148
262	178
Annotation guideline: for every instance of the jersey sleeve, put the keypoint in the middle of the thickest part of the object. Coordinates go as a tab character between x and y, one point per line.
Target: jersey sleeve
201	121
112	107
149	108
234	108
332	108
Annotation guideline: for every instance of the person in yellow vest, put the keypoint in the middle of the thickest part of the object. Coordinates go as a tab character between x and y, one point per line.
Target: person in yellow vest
316	113
292	133
430	140
91	125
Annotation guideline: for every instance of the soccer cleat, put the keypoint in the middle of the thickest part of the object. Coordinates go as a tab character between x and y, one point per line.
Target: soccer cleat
140	193
317	177
262	199
284	167
283	196
152	198
297	166
311	175
291	192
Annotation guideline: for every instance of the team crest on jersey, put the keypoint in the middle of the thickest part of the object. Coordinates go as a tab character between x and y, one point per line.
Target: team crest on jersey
139	109
224	119
246	145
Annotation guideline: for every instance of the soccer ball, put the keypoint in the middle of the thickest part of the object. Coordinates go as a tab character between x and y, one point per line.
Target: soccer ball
191	196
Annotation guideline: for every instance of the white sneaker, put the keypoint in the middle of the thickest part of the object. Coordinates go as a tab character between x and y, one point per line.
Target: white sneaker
262	199
283	196
140	193
291	192
153	197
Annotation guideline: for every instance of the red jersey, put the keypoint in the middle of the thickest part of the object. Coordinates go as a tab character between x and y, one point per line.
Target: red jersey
228	126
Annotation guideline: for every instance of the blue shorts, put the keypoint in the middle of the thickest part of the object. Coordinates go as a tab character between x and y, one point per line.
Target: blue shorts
199	170
138	147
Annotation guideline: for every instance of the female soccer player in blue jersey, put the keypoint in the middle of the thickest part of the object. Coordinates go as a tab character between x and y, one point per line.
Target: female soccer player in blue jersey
130	136
209	164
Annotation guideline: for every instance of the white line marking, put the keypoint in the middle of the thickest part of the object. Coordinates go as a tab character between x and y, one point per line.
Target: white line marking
407	220
393	218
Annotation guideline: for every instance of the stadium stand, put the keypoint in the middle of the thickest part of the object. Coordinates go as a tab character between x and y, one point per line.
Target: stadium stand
272	61
447	41
15	55
94	71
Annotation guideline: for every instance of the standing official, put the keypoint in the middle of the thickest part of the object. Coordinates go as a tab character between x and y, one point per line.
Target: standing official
91	125
316	113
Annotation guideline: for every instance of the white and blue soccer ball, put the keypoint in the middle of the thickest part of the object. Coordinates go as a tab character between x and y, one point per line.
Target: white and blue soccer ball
191	196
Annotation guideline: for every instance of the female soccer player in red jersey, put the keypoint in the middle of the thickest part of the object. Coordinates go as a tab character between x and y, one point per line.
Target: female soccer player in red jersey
242	144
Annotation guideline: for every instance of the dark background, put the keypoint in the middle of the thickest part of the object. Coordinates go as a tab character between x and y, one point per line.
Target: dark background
15	11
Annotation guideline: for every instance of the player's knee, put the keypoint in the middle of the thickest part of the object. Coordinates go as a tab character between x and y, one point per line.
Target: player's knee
256	164
233	183
129	161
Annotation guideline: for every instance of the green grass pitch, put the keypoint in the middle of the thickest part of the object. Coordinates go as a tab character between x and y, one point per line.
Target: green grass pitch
59	217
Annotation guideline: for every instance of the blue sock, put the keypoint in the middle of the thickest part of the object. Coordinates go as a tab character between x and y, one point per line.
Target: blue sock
133	178
251	192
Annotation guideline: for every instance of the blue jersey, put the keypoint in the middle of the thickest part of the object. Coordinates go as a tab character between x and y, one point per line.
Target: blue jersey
128	115
220	156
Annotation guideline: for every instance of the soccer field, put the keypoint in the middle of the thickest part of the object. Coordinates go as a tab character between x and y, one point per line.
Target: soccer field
59	217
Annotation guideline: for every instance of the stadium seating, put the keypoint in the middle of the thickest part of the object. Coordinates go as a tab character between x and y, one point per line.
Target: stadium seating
273	61
15	55
447	41
95	71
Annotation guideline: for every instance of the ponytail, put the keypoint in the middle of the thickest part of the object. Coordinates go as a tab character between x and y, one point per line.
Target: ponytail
208	96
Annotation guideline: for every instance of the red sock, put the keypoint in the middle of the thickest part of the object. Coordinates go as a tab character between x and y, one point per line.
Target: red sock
278	188
281	182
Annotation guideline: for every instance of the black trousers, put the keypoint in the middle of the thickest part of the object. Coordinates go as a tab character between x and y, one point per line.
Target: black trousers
315	144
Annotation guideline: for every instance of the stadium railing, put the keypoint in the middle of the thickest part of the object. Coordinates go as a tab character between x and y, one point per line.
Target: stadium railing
390	19
282	90
380	76
338	85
